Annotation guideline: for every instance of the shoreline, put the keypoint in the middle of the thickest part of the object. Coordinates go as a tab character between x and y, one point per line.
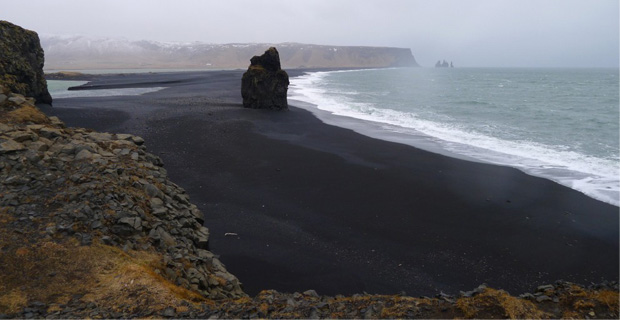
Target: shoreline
322	207
418	140
597	185
373	129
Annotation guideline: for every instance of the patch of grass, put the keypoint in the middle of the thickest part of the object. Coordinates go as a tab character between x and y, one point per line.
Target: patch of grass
583	304
609	298
399	307
25	114
493	302
52	272
257	67
13	300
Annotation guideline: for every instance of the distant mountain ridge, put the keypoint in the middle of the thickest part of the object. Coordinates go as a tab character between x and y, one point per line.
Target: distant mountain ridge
79	52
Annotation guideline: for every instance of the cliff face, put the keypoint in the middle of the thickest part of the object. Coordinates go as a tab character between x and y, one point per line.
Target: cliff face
87	53
21	62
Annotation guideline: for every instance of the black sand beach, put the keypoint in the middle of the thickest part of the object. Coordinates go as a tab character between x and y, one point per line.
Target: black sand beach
321	207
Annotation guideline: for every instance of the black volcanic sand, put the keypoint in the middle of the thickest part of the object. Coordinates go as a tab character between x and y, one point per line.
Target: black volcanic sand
320	207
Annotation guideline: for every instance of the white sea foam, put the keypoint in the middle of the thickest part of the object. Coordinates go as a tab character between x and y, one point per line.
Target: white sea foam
594	176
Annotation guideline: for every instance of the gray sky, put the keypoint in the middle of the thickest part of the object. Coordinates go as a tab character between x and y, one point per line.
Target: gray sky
512	33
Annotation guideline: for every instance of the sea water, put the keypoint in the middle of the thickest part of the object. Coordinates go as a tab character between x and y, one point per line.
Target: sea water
59	89
560	124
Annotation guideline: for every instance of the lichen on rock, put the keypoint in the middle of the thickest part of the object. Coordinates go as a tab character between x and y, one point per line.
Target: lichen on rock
265	84
21	62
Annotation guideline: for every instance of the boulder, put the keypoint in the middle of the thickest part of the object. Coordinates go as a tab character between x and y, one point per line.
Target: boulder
21	62
265	84
10	145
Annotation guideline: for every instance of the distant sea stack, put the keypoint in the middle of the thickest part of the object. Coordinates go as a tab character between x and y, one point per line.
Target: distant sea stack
21	62
443	64
265	84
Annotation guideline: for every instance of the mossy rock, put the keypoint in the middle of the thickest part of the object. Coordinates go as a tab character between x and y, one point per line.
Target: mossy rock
21	62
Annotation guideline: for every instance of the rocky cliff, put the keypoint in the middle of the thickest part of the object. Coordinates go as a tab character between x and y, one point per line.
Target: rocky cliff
265	84
21	62
102	188
76	52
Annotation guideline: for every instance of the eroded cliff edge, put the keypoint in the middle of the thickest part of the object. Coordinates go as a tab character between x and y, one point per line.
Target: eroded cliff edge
63	186
21	62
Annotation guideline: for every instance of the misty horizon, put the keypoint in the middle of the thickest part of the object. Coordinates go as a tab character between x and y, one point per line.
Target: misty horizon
267	44
481	33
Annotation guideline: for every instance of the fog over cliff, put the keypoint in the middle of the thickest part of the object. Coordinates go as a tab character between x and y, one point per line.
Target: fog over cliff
472	33
79	52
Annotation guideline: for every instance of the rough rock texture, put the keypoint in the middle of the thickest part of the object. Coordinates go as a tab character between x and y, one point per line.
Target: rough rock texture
21	62
265	84
102	188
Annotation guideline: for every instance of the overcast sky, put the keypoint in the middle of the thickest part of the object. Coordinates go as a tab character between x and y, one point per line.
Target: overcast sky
512	33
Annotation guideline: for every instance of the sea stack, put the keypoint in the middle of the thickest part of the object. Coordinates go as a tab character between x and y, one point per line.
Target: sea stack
21	62
265	84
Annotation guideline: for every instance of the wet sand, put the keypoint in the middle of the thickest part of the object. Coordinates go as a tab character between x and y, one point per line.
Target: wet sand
320	207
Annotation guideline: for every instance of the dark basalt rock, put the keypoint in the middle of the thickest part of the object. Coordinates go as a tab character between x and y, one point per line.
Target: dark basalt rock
444	64
21	62
265	84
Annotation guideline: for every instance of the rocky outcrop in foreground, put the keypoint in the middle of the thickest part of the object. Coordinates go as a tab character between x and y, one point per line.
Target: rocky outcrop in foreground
60	183
265	84
21	62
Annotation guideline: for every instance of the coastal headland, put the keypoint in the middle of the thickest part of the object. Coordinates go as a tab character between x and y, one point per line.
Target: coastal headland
317	221
313	206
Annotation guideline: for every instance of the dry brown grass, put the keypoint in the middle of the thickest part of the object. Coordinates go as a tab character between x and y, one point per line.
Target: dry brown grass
611	299
583	304
493	302
52	273
12	301
24	114
400	307
579	301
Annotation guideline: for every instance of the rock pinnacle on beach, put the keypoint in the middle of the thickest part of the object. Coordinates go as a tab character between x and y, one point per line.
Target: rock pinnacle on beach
265	84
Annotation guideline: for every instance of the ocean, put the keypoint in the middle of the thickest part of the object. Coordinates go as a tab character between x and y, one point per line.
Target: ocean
559	124
59	90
